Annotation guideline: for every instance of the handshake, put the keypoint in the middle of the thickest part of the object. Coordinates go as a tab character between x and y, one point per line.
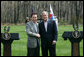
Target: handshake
38	35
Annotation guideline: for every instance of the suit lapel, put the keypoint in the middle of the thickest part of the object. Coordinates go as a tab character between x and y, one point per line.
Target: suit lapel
32	26
48	25
34	29
37	28
43	26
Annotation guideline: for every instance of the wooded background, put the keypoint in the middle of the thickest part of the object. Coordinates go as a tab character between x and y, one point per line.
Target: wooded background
15	12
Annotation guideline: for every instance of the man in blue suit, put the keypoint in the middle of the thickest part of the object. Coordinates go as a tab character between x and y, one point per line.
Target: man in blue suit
48	32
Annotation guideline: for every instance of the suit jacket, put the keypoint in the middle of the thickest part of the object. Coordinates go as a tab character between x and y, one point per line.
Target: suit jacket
51	33
31	32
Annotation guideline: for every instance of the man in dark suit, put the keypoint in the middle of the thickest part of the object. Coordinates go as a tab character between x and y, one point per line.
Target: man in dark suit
48	32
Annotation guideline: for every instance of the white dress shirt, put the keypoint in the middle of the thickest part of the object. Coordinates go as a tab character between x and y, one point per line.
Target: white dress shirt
45	24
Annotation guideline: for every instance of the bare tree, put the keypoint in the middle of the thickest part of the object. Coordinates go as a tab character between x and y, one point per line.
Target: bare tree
16	11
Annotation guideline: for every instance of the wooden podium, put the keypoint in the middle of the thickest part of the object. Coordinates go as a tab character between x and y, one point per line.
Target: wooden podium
75	47
7	43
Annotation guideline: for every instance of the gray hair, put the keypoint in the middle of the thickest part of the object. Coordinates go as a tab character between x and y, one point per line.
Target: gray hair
45	12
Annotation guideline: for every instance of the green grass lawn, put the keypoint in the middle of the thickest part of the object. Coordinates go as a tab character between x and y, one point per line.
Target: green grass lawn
19	47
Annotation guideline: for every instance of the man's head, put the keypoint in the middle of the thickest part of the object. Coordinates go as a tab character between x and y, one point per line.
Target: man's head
34	17
27	19
45	15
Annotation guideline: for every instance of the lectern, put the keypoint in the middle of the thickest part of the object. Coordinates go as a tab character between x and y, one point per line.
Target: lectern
7	39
